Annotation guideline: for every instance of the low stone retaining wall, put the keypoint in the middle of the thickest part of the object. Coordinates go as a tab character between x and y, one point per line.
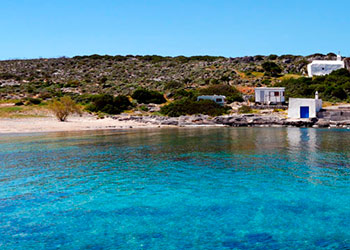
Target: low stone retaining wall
334	115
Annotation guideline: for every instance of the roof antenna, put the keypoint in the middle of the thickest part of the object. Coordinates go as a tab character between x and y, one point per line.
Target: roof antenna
338	56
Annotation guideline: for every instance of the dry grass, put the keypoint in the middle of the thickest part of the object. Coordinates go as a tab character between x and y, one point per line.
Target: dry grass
289	76
22	111
258	74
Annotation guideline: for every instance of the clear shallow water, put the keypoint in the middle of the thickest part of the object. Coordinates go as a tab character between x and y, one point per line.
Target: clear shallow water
217	188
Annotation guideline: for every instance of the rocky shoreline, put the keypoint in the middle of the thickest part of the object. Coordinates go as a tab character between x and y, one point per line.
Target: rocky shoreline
242	120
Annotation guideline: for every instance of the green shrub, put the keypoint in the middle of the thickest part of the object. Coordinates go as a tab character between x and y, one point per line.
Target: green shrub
182	93
34	101
188	106
272	57
173	85
245	109
143	108
148	96
271	68
266	82
108	104
19	103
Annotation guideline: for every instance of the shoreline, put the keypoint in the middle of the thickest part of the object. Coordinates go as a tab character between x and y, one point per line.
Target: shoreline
74	124
126	122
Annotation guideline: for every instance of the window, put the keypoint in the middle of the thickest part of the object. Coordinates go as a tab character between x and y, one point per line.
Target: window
219	100
322	68
277	93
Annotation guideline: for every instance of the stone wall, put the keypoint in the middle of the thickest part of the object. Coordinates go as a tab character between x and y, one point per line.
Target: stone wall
334	115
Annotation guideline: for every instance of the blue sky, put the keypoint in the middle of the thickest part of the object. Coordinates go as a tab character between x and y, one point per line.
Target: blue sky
54	28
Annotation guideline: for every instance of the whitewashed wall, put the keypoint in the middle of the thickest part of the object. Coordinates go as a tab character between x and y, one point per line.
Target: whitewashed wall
314	105
268	96
320	69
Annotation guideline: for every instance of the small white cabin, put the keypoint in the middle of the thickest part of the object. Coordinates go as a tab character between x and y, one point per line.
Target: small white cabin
219	99
269	95
324	67
304	107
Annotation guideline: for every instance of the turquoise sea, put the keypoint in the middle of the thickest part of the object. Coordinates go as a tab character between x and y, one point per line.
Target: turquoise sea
200	188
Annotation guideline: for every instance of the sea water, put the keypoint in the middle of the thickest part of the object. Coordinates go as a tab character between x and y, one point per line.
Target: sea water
202	188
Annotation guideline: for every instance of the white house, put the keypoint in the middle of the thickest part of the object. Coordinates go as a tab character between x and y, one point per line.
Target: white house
324	67
269	95
304	107
219	99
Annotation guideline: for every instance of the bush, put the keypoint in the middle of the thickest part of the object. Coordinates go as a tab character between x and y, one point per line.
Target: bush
271	68
143	108
188	106
272	57
34	101
173	85
63	108
182	93
148	96
108	104
19	103
245	109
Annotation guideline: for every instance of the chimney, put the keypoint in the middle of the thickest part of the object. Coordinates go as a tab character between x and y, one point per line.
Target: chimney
316	95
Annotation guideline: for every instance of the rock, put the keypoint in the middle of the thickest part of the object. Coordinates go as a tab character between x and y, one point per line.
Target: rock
171	121
322	123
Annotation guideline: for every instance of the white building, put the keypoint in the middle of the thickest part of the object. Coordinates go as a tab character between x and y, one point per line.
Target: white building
269	95
219	99
324	67
304	107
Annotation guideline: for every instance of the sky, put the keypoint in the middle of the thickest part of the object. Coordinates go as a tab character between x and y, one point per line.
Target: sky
231	28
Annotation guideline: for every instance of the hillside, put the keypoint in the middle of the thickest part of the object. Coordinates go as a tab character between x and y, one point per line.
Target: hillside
46	78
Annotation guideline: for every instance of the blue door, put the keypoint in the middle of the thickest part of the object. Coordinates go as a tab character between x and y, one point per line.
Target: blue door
304	112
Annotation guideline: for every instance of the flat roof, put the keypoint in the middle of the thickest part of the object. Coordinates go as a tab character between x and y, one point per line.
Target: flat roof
222	96
327	62
270	88
305	99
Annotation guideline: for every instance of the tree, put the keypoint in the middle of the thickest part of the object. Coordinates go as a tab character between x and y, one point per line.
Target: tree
63	108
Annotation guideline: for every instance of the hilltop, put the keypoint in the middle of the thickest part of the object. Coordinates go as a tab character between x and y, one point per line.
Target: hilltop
47	78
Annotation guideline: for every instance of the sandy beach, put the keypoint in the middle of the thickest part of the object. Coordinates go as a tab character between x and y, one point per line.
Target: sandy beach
51	124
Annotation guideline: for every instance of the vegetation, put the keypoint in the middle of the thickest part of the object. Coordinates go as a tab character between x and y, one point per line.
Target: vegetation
93	81
333	87
109	104
187	106
148	96
63	108
245	109
34	101
271	68
115	75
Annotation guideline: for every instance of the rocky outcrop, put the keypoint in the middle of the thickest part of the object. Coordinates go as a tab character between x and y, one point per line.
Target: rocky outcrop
347	63
243	120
